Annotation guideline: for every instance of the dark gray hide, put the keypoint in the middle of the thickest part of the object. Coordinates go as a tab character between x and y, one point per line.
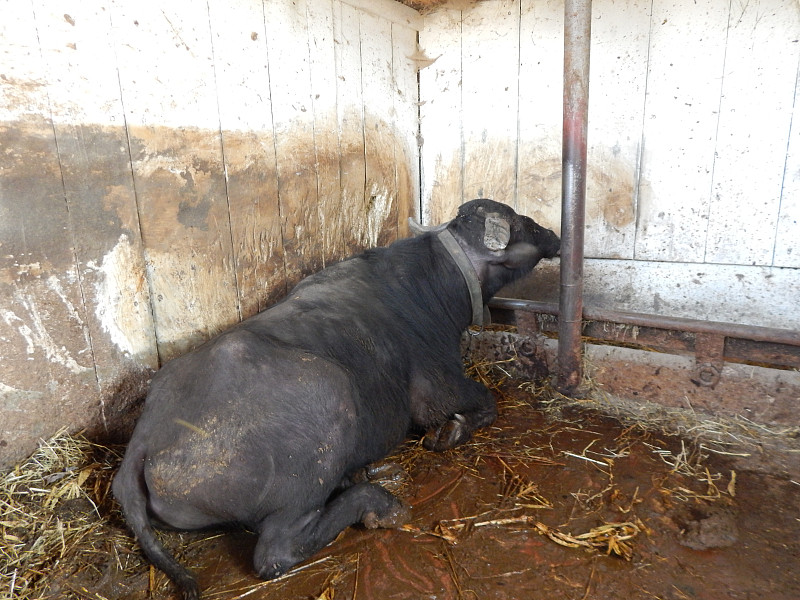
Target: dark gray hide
266	424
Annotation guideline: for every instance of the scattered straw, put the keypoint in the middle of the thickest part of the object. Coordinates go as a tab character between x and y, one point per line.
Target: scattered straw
611	538
52	506
734	436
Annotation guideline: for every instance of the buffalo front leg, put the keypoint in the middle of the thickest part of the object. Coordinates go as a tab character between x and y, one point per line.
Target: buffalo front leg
286	540
478	409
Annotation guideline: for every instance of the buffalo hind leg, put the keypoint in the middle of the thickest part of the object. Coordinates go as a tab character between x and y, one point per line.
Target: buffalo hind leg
479	409
286	540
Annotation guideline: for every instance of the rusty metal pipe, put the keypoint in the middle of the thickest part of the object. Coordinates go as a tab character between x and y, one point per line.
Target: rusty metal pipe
577	36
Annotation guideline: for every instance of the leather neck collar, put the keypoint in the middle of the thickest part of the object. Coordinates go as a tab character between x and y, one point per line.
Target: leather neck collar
468	272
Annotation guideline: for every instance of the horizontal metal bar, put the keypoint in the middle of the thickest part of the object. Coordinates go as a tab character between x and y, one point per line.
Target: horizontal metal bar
730	330
712	342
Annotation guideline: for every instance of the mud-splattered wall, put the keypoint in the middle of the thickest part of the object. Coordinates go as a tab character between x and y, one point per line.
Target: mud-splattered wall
693	200
167	169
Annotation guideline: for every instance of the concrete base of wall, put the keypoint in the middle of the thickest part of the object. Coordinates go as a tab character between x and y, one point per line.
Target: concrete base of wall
749	415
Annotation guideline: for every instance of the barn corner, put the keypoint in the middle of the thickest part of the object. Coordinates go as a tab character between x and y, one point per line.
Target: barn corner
167	172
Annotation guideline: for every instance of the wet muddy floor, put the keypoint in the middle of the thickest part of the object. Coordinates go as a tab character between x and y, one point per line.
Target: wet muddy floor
544	504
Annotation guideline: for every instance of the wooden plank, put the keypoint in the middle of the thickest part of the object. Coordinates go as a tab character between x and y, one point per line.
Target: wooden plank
540	111
24	80
406	108
167	79
758	93
380	218
16	29
676	289
343	239
293	119
102	214
696	291
687	49
440	116
326	131
490	75
241	67
618	73
48	373
787	236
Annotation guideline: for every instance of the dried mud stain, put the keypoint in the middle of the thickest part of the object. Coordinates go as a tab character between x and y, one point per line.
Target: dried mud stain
610	183
256	233
211	210
216	227
530	175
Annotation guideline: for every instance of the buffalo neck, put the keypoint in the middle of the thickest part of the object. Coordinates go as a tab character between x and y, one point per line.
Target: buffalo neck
424	274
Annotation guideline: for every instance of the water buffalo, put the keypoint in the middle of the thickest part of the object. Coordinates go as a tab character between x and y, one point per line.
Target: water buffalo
266	425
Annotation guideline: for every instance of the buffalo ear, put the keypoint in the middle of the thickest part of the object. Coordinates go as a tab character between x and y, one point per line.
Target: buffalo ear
496	233
521	254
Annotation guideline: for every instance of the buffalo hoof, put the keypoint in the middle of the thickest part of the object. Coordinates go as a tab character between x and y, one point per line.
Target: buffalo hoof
271	571
396	514
449	435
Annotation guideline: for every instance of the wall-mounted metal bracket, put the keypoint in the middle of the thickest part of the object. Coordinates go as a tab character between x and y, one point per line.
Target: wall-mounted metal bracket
709	353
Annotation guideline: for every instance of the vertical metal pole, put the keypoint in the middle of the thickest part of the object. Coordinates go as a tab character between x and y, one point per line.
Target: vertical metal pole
577	35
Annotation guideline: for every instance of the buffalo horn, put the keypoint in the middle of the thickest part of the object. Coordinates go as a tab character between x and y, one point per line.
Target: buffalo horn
417	229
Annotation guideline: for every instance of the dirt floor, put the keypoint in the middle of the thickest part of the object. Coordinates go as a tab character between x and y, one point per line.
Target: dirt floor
550	502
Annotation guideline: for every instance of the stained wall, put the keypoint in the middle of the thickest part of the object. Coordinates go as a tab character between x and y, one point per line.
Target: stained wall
168	169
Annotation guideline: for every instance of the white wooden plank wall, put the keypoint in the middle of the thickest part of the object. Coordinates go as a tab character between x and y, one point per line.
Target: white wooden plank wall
241	71
617	94
293	118
787	238
108	260
694	143
350	119
168	170
322	78
680	126
167	85
379	123
406	111
40	282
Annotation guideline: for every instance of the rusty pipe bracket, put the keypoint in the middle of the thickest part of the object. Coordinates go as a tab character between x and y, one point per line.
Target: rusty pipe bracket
528	323
709	352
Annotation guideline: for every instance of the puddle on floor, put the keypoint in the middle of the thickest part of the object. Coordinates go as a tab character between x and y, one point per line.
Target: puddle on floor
499	518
